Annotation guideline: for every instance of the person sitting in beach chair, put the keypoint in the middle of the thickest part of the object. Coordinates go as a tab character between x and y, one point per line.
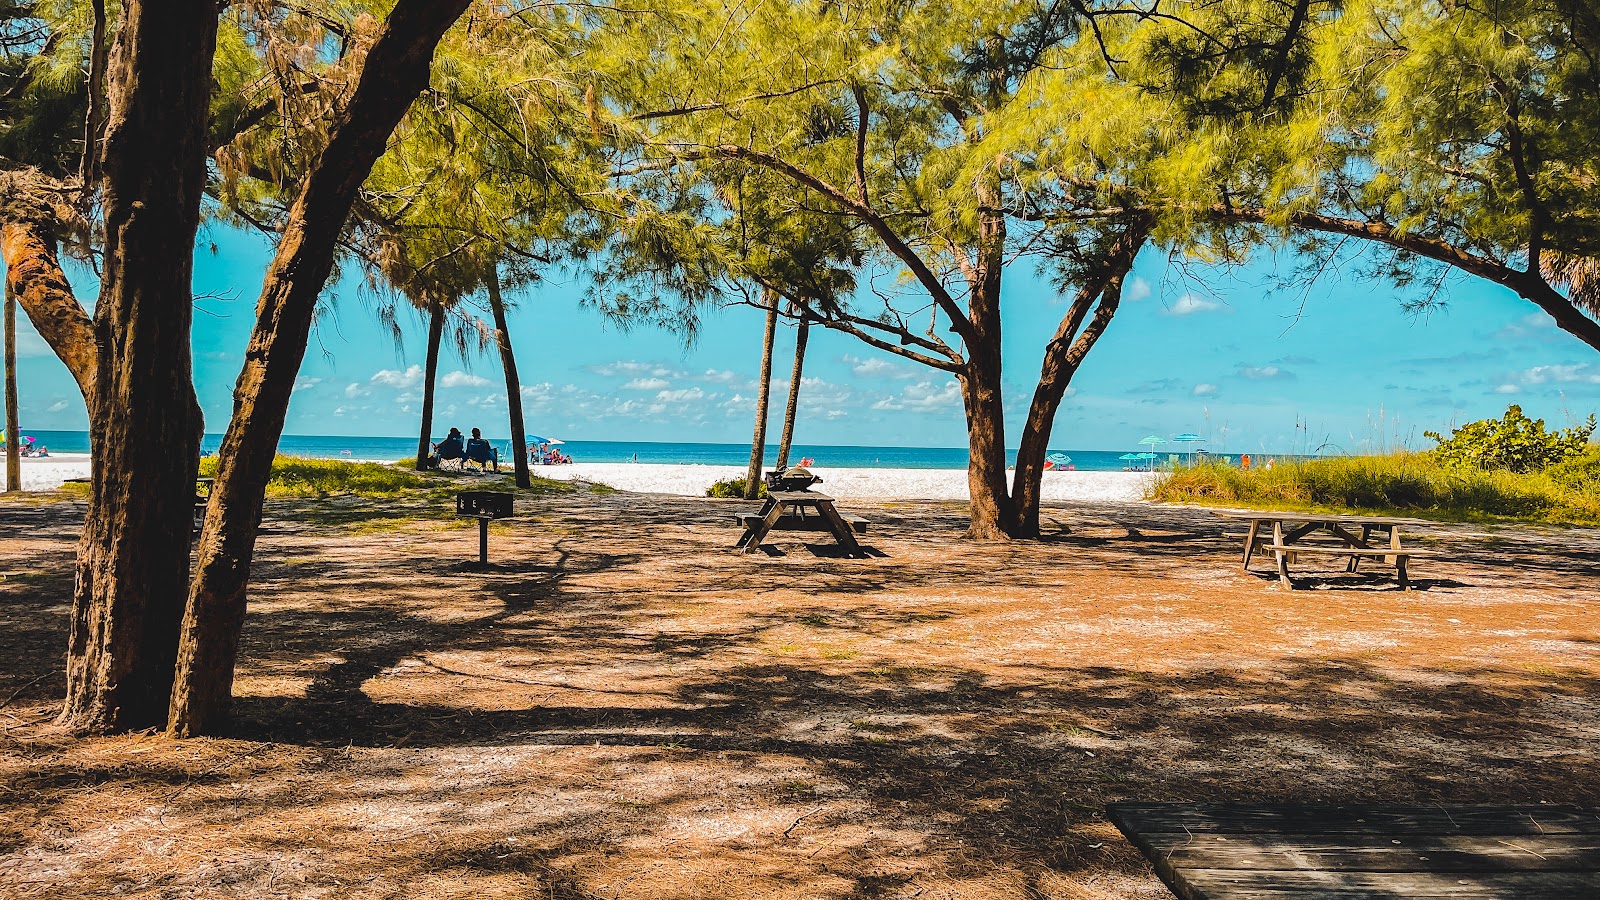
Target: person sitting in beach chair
481	452
450	449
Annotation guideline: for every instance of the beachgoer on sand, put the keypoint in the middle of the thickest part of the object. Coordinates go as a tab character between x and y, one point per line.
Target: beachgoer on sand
1244	461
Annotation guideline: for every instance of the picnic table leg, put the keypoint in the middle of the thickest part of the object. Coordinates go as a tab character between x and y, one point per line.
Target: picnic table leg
841	528
1366	534
1400	570
1283	556
774	511
1250	542
750	530
483	541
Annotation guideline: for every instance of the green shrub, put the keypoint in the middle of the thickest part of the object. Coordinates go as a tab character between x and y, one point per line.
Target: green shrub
1514	443
733	488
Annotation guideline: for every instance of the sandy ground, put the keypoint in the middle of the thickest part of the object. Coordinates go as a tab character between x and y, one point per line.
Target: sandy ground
878	484
624	708
692	481
48	473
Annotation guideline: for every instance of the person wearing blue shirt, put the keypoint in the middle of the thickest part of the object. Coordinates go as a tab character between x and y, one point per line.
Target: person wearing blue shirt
480	452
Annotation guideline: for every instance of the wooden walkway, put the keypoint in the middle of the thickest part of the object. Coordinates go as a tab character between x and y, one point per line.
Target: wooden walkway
1226	851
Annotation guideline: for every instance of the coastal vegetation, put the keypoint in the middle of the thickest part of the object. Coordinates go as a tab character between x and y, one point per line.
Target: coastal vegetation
1507	468
1410	484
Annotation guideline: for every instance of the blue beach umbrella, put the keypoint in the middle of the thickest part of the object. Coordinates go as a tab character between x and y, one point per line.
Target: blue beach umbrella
535	439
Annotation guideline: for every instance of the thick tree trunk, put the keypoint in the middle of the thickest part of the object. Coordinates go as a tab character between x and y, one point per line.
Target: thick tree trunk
991	516
508	362
1062	357
145	424
801	333
758	441
13	427
429	374
34	277
395	71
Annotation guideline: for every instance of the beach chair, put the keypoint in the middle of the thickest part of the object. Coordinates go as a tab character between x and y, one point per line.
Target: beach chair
482	457
454	463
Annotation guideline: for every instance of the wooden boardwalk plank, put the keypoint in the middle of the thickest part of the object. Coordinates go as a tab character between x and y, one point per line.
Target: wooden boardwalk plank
1372	853
1381	819
1233	884
1236	851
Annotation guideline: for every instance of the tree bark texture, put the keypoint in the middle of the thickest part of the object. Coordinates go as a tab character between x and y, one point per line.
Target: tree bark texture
992	516
801	334
144	420
395	71
430	370
758	441
13	428
35	279
508	362
1069	345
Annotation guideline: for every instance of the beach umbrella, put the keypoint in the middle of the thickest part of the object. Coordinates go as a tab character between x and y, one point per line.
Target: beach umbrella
535	439
1154	440
1188	437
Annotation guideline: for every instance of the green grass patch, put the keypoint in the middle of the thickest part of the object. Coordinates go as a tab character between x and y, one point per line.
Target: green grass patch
1405	483
296	476
733	489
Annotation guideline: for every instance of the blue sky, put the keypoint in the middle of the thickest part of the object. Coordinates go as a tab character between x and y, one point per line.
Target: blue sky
1339	364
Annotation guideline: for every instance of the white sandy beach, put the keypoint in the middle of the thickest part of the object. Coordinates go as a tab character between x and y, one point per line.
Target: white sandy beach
692	480
882	484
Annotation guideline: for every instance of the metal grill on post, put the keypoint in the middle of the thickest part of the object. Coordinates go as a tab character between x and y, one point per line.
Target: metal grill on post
484	506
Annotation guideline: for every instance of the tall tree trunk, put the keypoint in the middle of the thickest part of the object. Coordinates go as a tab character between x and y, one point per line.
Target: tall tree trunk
13	429
508	362
758	441
992	516
430	370
1062	356
800	336
144	420
34	277
394	72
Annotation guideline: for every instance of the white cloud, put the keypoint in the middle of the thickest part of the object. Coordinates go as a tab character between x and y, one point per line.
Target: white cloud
462	379
631	367
684	395
923	396
646	384
1189	304
875	368
57	406
305	384
1264	373
1136	290
719	376
1205	390
354	390
1581	373
409	378
1507	389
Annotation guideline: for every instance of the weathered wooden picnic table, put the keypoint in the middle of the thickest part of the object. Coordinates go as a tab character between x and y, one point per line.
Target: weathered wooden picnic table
788	511
1284	534
1242	851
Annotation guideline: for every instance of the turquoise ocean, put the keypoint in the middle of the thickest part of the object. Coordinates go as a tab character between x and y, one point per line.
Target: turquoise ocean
397	448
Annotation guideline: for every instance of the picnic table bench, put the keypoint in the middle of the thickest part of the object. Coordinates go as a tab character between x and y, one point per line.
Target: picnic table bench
1283	534
788	511
1253	851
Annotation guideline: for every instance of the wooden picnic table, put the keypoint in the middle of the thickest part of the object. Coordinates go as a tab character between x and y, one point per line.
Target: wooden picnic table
1283	535
1253	851
788	510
